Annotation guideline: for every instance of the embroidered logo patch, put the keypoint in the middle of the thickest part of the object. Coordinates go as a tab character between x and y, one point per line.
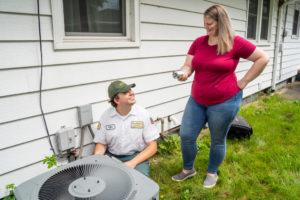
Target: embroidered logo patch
110	127
98	126
137	124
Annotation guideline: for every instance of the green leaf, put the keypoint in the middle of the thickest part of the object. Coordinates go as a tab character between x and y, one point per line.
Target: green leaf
50	161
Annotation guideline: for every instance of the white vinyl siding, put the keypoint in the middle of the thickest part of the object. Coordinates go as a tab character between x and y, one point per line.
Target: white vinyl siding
289	62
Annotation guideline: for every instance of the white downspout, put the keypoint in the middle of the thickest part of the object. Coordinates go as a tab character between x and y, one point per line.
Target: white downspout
277	41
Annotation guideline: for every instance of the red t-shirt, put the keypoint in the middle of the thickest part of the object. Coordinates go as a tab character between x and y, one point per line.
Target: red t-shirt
215	80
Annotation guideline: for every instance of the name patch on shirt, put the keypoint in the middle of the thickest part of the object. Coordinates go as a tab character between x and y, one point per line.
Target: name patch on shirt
110	127
137	124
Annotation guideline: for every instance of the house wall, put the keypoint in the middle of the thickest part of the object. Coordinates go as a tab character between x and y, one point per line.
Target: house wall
289	58
75	77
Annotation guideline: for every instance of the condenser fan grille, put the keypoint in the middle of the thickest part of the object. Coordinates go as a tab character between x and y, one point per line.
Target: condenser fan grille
87	181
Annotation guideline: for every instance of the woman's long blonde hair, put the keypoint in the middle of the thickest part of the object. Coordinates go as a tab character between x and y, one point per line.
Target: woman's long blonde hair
225	30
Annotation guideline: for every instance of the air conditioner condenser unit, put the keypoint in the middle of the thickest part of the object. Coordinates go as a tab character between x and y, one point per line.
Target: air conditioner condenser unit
95	177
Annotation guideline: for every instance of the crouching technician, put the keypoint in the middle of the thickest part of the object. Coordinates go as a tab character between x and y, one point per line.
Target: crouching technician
125	130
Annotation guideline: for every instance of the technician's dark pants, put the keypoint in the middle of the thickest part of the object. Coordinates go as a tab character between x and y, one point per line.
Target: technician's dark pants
142	167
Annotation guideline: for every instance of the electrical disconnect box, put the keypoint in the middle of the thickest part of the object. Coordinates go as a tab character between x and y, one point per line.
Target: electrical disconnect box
85	116
65	139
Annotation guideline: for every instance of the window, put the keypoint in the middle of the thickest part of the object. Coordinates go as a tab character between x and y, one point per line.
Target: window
265	20
252	19
85	17
296	23
95	23
259	20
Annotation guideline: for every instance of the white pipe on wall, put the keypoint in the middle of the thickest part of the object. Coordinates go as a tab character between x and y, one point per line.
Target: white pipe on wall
173	119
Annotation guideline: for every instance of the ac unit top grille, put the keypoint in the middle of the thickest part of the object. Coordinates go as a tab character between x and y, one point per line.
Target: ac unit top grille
97	177
87	181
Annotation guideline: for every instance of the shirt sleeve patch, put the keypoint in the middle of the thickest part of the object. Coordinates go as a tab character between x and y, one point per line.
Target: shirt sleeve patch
98	126
151	120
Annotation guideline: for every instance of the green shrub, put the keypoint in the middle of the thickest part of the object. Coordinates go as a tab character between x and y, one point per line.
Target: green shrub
168	145
11	188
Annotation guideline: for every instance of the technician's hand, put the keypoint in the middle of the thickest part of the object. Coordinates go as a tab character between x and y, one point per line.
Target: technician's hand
130	164
241	84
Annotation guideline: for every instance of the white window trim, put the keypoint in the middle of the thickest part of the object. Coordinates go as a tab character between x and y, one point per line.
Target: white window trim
259	41
296	36
132	38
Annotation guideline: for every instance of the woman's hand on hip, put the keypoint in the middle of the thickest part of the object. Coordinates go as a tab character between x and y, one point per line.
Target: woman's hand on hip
241	84
260	60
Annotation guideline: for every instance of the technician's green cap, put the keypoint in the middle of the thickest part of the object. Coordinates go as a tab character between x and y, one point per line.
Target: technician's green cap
117	87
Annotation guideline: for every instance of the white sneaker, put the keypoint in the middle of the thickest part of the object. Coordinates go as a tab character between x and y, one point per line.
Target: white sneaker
210	181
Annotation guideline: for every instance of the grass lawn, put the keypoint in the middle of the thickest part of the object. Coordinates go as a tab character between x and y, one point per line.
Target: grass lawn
265	167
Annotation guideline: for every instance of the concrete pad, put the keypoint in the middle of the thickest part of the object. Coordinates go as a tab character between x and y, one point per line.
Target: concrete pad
291	91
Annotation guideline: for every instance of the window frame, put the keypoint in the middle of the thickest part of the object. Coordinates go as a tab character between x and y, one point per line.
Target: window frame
258	40
131	39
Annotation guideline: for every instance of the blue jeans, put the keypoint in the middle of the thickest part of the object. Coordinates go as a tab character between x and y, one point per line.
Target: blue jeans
219	118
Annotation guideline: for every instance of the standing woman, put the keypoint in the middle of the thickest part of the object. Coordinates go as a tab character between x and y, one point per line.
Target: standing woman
216	93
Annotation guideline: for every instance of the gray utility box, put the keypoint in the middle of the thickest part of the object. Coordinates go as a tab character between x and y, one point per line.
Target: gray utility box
85	116
65	139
